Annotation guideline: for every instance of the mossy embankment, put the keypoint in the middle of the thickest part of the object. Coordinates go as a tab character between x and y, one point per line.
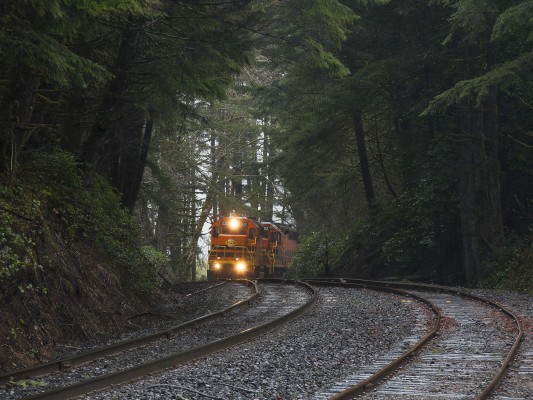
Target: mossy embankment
72	267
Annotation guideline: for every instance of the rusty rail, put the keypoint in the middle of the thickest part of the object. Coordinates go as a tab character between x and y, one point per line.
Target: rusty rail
386	286
390	368
88	356
130	374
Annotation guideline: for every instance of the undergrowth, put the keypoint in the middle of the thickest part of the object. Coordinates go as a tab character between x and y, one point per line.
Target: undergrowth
317	254
48	201
513	269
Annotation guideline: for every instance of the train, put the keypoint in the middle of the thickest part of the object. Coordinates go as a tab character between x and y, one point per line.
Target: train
243	247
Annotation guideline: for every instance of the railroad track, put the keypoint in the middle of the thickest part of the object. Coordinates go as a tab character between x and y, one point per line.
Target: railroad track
275	303
459	347
477	341
79	359
294	361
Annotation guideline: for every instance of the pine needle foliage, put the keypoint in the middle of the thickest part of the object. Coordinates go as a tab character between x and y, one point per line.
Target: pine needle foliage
503	76
515	23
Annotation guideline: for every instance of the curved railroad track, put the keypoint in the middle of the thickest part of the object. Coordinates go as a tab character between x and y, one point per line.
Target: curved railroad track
298	359
455	345
477	341
275	303
79	359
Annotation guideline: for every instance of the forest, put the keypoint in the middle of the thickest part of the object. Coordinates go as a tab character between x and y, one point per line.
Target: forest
396	136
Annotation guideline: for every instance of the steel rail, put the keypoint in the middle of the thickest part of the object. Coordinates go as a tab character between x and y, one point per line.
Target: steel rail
175	359
496	380
393	366
207	288
91	355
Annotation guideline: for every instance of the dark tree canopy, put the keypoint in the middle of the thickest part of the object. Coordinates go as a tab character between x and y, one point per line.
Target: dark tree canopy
399	131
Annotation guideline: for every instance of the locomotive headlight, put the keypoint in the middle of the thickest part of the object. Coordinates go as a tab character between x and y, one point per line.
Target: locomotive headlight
240	266
217	265
234	224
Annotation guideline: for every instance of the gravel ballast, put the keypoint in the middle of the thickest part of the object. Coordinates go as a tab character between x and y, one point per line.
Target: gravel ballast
348	328
518	383
184	305
314	352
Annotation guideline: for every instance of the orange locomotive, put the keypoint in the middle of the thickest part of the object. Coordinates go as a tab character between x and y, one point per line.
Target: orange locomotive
246	248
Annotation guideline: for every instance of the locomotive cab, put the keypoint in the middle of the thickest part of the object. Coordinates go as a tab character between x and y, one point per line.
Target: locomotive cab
271	246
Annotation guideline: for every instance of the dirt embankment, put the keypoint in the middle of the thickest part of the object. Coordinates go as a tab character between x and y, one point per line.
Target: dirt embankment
75	299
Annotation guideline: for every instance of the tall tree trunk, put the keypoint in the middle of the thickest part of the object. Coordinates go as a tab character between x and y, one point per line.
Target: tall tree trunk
267	206
469	166
76	128
479	189
197	233
141	164
214	173
110	110
255	179
192	228
135	137
479	173
16	114
494	225
363	160
384	169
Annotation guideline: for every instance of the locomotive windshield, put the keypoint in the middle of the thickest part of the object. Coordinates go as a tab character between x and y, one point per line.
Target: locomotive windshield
234	227
275	237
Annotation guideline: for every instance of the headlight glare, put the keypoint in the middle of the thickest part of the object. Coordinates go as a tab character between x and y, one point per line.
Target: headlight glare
240	266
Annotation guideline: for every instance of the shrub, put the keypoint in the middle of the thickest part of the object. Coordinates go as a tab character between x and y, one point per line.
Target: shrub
19	228
513	269
310	258
50	196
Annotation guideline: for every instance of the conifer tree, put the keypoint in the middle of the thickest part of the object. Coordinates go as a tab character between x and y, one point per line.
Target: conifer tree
476	28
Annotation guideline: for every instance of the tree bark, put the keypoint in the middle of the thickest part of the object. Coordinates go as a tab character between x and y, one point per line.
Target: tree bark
141	164
469	166
267	207
17	110
135	137
363	160
109	113
200	222
384	169
479	176
494	224
479	189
